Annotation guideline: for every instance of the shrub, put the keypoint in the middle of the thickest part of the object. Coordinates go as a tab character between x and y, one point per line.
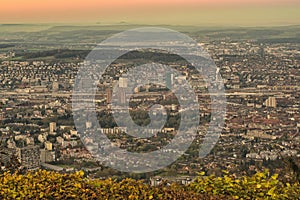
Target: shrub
51	185
259	186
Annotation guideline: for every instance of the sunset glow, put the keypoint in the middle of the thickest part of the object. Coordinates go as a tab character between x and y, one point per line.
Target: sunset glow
147	11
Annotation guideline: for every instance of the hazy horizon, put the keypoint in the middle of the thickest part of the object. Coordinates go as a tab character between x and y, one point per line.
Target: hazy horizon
176	12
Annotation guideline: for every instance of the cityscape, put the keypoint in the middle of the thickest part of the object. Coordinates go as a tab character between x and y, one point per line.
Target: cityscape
60	115
261	124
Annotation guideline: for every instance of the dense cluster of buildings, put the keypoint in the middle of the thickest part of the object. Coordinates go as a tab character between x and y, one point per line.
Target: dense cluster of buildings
262	121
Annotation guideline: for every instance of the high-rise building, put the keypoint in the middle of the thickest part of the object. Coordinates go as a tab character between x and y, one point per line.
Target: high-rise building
46	156
261	51
217	74
123	82
88	124
122	96
52	128
1	115
169	80
271	102
29	157
108	95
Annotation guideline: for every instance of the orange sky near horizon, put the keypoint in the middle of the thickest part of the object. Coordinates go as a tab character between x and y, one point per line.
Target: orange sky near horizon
18	11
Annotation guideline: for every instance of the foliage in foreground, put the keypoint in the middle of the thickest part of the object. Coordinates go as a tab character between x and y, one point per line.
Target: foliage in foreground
259	186
50	185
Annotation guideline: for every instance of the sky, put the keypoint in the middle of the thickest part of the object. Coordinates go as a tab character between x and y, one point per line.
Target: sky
173	12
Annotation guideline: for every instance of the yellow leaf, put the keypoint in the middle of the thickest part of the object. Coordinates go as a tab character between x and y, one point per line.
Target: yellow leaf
201	173
271	191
